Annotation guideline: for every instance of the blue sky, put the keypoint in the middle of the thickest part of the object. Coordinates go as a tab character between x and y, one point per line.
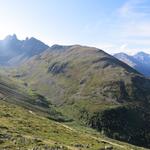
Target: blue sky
112	25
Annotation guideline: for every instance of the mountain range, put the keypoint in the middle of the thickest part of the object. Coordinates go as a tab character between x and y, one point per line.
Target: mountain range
70	98
93	88
139	61
14	51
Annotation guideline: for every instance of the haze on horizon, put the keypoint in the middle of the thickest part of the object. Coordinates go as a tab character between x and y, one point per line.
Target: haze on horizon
114	26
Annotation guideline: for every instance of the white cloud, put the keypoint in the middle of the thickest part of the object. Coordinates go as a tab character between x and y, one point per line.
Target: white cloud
124	47
134	16
134	27
113	48
134	8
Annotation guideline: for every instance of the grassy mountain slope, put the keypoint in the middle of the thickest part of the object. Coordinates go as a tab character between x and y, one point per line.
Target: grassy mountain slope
93	88
23	129
80	73
13	93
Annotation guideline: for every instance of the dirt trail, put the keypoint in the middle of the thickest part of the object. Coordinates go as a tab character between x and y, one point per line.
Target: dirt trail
97	138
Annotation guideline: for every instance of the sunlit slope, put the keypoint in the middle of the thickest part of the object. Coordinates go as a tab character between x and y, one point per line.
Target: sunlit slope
75	72
93	88
23	129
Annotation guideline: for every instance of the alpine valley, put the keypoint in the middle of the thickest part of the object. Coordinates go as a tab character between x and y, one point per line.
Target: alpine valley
71	98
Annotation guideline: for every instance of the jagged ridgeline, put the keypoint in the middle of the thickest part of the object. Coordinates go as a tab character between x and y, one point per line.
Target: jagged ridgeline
14	51
92	88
